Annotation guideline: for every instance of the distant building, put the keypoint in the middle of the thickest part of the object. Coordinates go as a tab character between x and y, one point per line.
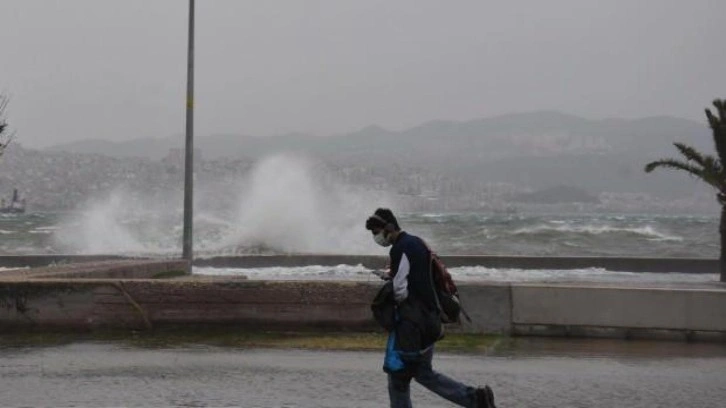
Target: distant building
174	160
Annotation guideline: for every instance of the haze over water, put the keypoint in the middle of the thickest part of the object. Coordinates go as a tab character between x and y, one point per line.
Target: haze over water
285	205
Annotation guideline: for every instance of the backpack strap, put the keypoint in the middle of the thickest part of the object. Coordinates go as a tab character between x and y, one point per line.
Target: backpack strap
433	285
463	311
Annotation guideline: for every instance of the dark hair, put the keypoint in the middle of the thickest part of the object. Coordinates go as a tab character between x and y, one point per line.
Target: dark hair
381	218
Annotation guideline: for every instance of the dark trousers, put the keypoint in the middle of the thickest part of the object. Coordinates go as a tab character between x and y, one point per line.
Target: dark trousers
454	391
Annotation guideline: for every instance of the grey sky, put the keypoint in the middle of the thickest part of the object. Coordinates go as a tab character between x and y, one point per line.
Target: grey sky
113	69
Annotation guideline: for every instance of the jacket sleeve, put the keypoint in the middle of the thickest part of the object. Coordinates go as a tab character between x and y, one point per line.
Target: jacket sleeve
400	279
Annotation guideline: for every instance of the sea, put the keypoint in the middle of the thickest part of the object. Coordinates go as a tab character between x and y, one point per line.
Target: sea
107	231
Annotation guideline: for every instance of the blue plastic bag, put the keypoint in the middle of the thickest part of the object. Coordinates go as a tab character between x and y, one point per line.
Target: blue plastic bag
392	361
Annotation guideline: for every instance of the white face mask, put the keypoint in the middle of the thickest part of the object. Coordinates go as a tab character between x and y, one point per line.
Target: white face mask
381	239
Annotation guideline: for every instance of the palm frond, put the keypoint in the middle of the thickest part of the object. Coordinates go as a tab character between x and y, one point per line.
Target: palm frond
692	154
674	164
707	175
712	167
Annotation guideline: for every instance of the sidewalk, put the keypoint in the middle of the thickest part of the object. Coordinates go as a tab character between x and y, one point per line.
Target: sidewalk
592	374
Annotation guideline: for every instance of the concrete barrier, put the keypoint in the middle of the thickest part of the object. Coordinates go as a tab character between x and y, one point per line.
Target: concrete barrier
128	294
118	269
488	305
143	304
34	261
58	296
261	261
86	304
622	264
683	265
45	305
622	311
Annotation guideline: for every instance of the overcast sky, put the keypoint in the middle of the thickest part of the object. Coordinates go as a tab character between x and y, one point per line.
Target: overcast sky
116	69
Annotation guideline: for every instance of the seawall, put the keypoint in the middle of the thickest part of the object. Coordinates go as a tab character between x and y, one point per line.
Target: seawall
628	264
146	294
683	265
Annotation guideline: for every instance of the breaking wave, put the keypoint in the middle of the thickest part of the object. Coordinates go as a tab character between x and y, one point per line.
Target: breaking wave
289	205
647	231
286	204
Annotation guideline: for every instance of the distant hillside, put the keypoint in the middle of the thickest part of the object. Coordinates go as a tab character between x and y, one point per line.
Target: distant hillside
534	150
535	134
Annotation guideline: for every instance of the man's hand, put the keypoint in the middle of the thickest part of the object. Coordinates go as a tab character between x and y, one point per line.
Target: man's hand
385	275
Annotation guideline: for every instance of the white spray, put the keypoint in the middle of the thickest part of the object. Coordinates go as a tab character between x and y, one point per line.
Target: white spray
285	204
289	205
99	228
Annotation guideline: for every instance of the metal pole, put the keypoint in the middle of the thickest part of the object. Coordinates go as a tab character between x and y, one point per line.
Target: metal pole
189	150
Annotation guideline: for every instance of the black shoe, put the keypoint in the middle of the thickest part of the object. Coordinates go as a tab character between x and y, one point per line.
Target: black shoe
485	397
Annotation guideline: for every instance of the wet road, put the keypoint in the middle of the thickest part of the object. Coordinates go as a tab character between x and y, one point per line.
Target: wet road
559	374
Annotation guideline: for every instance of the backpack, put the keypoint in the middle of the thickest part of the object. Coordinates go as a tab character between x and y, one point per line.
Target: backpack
445	291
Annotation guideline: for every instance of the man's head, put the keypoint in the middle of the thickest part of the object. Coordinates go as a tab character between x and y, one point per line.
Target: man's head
384	226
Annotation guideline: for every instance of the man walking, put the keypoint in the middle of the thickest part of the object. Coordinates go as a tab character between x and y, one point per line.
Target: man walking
418	325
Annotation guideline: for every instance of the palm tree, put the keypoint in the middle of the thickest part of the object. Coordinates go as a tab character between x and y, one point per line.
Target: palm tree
708	168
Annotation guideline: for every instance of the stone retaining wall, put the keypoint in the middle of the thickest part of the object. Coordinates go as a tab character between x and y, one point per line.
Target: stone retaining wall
63	296
105	269
35	261
129	294
684	265
86	304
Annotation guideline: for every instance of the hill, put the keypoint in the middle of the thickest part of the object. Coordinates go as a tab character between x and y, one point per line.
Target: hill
535	134
535	150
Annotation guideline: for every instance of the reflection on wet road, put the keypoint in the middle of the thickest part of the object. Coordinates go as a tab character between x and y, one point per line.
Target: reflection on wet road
536	373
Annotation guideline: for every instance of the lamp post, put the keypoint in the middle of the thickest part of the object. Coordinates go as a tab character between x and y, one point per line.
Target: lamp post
189	148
